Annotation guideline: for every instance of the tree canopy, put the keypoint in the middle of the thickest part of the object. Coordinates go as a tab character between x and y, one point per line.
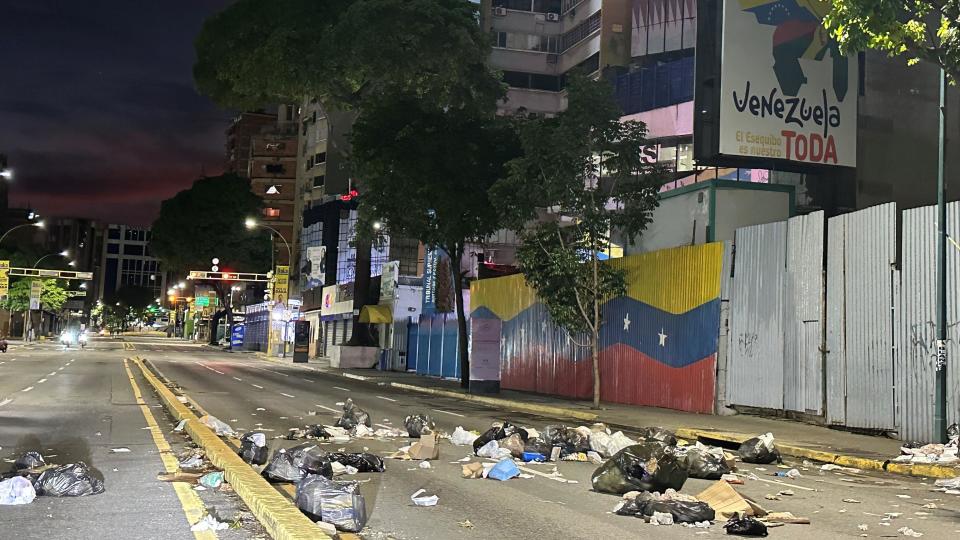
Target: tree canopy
207	221
137	298
52	295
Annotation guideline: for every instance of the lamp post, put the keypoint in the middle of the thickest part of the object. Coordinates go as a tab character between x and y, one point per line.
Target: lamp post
64	253
38	224
253	224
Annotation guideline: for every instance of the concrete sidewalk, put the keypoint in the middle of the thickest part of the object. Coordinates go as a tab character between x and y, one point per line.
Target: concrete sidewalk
797	439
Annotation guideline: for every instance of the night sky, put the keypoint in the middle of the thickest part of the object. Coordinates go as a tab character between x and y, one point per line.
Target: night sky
99	116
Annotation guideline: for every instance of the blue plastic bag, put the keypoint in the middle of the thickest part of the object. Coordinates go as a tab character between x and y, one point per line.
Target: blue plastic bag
534	456
504	470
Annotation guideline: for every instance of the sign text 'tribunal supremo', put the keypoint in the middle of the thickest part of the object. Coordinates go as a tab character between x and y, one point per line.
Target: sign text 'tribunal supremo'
786	91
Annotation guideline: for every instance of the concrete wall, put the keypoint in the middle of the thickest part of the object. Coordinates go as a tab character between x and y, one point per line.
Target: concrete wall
740	208
681	220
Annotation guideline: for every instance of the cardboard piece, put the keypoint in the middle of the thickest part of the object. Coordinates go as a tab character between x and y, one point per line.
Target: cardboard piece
786	517
725	501
472	470
426	448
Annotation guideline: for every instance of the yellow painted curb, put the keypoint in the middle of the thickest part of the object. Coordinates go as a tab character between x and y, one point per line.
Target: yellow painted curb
867	464
504	403
282	520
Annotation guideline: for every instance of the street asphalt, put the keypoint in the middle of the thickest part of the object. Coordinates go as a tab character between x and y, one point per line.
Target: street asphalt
87	408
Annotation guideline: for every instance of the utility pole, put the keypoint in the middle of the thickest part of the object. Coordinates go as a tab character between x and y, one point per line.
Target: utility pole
940	414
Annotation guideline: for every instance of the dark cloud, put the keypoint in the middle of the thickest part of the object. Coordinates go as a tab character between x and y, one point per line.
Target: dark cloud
98	112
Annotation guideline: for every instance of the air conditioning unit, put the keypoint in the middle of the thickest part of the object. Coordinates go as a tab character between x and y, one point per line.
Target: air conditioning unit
554	17
500	11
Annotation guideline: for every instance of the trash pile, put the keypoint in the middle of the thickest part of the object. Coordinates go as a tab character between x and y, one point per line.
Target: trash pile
941	454
32	476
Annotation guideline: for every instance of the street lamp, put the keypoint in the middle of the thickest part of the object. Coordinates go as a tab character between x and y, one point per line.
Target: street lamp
64	253
253	224
6	174
38	224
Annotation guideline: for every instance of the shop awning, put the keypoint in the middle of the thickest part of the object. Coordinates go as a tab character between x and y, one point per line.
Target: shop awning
376	315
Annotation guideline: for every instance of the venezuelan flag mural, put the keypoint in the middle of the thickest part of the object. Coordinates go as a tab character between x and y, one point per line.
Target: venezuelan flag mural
658	343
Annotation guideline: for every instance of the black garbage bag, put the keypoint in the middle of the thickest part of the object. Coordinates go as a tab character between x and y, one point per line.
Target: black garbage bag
253	448
568	439
745	526
419	424
317	432
353	416
30	460
658	434
282	468
73	480
703	464
649	466
538	446
682	511
760	450
363	462
337	503
292	464
498	432
953	432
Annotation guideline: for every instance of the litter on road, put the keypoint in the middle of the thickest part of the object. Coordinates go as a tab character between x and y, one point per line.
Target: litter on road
72	480
337	503
17	490
420	499
760	450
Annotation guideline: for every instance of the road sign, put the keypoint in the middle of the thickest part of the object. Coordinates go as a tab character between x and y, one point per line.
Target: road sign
202	301
4	265
36	287
74	294
281	284
227	276
4	278
59	274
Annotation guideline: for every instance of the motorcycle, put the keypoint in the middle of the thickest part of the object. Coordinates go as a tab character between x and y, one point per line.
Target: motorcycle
82	339
3	345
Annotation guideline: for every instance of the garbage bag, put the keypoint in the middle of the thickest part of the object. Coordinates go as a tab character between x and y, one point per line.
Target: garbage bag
760	450
682	511
649	466
704	462
353	415
418	424
219	427
30	460
337	503
498	432
253	448
292	464
570	440
73	480
492	450
953	432
607	445
363	462
538	446
659	434
462	437
745	526
16	490
514	444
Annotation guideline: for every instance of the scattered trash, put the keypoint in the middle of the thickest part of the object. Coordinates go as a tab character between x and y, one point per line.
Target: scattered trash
121	450
785	517
424	500
863	527
339	503
389	432
465	524
570	440
731	479
253	448
492	450
833	467
745	526
192	462
605	444
708	463
425	465
652	434
361	430
496	433
353	415
209	523
534	456
181	425
851	501
907	531
786	492
362	461
760	450
680	511
212	480
29	460
462	437
17	490
472	470
902	496
504	470
73	480
661	518
218	426
649	466
727	502
514	444
949	483
180	476
419	424
791	474
428	447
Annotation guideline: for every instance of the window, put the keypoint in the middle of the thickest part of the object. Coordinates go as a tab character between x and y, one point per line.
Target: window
133	249
534	81
113	249
113	234
321	157
518	5
318	181
274	168
271	212
273	190
527	42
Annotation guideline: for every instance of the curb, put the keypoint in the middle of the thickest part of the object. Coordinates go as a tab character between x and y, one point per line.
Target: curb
282	520
924	470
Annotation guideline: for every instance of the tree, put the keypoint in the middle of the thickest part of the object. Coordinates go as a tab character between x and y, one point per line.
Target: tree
207	221
52	297
133	299
347	54
921	29
428	172
581	178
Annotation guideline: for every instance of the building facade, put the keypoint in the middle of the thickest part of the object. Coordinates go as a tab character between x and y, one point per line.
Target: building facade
126	261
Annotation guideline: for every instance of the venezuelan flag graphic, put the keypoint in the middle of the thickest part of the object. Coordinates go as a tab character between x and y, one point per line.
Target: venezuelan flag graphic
658	343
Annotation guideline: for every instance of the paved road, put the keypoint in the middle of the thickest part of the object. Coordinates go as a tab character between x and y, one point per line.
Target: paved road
251	393
235	387
78	406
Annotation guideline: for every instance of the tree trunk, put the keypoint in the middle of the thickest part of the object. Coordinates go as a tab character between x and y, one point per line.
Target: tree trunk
595	329
362	337
455	259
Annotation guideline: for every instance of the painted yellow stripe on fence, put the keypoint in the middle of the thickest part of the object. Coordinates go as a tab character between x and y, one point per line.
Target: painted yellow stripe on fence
193	507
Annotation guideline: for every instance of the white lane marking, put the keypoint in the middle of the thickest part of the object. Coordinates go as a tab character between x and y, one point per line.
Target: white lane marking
60	369
257	386
41	381
27	389
51	374
2	362
386	398
357	377
309	380
328	408
270	371
4	402
210	368
238	379
342	388
287	395
447	412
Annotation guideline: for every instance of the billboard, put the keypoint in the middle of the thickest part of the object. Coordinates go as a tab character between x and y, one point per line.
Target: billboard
786	93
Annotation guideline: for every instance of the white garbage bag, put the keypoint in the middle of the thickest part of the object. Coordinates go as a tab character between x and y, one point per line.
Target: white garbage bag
462	437
16	490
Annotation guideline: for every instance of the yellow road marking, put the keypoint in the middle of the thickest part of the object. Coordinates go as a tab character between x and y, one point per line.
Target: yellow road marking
127	346
193	507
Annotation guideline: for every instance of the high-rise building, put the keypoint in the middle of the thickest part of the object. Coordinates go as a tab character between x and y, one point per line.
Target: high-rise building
126	262
243	127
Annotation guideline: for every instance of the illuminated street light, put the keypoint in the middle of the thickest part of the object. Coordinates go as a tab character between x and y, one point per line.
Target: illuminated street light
72	263
83	285
251	224
65	253
377	225
7	174
38	224
183	285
